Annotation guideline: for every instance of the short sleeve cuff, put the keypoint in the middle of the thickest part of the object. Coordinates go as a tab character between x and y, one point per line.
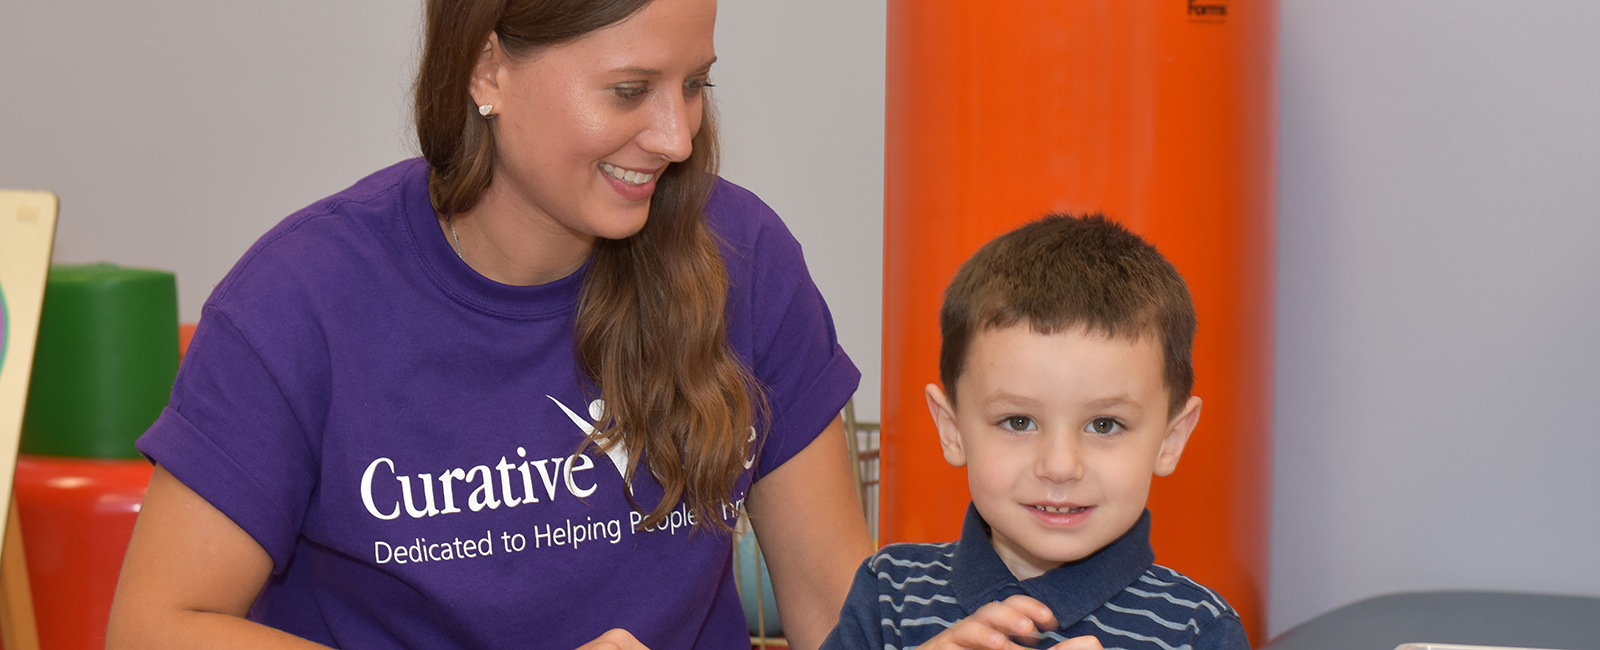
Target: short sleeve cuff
812	411
191	457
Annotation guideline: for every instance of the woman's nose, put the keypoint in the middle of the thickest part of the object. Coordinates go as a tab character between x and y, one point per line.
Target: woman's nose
670	134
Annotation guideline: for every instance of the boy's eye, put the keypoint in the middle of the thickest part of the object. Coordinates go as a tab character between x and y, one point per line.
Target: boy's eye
1103	426
1018	423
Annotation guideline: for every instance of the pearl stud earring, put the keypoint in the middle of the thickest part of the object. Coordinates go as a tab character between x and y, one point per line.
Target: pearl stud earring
485	109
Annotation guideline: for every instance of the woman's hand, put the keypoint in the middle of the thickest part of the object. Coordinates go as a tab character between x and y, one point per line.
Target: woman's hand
807	515
994	625
617	639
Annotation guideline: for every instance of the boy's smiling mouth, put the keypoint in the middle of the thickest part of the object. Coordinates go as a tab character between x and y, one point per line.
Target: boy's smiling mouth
1061	509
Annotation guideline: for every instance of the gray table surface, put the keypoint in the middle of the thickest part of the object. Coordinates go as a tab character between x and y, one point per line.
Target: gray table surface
1454	617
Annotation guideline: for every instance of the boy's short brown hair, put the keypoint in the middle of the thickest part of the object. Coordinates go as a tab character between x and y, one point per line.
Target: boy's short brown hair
1062	272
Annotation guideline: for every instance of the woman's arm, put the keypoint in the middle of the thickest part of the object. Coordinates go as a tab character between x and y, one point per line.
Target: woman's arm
191	575
189	578
808	518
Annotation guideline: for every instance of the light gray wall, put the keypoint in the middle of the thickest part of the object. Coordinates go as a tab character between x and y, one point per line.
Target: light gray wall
1438	355
800	85
177	131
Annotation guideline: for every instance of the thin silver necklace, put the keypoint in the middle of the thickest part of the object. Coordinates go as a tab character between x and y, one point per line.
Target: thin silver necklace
455	239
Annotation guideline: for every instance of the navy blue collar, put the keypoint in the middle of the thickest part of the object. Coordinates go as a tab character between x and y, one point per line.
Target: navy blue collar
1071	590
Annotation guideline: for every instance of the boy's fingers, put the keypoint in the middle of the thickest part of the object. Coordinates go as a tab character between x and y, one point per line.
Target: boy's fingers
975	635
1004	619
1039	614
1085	642
994	625
1017	616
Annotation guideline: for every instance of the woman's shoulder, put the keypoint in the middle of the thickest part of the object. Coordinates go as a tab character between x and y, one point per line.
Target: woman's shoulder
333	236
381	200
731	200
742	220
751	234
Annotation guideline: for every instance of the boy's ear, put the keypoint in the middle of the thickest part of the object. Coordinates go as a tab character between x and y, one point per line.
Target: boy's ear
944	417
485	84
1178	431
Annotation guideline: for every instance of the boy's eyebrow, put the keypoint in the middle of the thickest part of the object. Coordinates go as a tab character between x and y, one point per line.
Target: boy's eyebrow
1115	401
1012	399
1104	403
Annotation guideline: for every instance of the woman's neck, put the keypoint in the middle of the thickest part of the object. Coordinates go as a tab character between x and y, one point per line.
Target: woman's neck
511	242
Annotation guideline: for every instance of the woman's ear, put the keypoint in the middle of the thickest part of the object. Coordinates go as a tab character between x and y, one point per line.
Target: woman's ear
944	418
485	84
1177	437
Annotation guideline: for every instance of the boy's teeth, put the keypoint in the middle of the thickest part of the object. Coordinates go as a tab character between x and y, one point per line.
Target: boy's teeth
629	177
1058	510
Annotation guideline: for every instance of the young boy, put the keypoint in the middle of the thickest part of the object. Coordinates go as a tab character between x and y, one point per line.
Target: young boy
1066	373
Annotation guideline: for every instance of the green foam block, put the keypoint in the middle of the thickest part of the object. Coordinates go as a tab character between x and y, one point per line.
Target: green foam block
105	361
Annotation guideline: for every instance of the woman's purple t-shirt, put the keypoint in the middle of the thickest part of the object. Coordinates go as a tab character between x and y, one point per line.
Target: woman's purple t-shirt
398	431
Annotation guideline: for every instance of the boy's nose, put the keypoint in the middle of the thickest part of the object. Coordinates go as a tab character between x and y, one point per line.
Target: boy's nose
1059	459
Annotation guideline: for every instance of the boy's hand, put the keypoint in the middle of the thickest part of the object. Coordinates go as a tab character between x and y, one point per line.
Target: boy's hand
1085	642
993	626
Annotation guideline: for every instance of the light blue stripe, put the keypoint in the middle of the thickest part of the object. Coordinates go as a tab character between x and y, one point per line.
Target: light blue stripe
1149	579
925	620
1186	579
1137	637
910	564
1171	625
1191	604
900	586
900	608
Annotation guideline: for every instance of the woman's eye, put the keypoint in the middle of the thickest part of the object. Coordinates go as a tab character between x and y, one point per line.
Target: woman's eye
1018	423
694	86
630	91
1103	426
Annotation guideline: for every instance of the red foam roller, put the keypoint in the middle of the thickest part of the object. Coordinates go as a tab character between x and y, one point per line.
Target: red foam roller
77	516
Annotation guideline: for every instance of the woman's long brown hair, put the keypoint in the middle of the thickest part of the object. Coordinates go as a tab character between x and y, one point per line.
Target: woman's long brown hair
651	330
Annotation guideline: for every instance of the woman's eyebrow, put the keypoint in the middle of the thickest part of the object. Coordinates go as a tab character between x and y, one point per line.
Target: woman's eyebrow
640	71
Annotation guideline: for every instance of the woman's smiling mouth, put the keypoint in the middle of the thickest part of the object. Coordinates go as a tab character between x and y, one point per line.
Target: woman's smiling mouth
627	176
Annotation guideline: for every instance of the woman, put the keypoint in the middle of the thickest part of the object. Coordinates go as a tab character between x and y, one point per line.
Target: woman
512	394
